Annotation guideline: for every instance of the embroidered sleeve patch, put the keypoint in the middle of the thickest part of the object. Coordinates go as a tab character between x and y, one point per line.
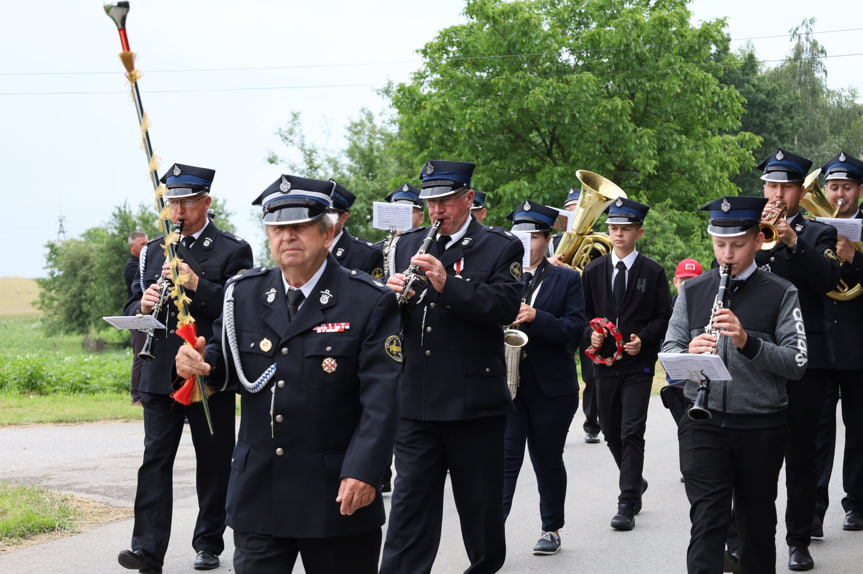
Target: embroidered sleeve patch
515	270
393	347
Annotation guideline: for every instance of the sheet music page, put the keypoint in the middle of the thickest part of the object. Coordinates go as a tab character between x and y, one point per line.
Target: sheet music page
387	216
694	367
848	228
524	236
136	322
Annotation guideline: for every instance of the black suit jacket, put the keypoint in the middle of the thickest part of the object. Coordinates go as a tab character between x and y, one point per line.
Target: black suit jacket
554	334
218	255
814	270
358	253
453	341
333	401
843	319
646	310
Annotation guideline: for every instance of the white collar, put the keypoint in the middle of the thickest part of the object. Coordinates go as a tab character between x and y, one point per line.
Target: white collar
309	286
456	237
629	260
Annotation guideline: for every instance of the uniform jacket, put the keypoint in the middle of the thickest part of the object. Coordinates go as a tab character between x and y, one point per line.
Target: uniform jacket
357	253
129	272
646	310
554	334
842	320
814	270
454	365
769	310
332	398
218	255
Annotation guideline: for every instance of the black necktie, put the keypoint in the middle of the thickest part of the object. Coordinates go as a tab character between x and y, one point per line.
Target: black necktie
442	240
528	276
735	284
619	287
295	297
188	241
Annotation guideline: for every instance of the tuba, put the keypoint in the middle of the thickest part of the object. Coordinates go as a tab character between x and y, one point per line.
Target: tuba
816	203
513	341
576	245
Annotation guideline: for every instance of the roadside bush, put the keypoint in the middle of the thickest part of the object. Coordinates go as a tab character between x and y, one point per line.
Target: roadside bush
75	374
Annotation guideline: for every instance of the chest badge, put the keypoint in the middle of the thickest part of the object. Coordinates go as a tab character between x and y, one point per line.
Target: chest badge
329	365
340	251
271	295
208	241
265	345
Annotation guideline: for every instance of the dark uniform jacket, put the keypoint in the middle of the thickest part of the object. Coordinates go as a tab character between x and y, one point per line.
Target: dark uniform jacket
357	253
844	318
332	399
814	270
646	310
218	255
129	272
554	334
454	365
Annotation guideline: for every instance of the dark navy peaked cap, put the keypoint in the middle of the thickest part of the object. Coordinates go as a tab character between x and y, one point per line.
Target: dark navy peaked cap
187	180
293	199
625	211
441	178
532	216
784	166
406	194
733	216
844	166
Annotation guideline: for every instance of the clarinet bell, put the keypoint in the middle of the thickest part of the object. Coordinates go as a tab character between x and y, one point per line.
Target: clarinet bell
146	352
699	411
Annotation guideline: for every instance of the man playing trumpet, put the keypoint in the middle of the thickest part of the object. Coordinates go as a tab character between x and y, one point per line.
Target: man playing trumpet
804	253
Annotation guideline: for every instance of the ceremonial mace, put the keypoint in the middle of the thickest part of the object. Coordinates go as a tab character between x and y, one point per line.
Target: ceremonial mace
186	323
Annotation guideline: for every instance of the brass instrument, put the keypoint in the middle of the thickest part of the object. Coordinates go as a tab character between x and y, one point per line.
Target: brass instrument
513	341
699	410
413	271
576	245
164	283
816	203
768	225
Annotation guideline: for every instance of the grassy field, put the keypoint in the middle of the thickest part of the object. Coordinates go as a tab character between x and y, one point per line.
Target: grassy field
17	295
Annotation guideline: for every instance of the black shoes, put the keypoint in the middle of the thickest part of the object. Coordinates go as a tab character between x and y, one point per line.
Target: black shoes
206	560
139	560
853	520
548	544
731	561
624	519
799	559
591	437
817	528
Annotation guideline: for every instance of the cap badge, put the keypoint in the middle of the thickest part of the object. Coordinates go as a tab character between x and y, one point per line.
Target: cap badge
265	345
326	296
177	170
406	188
842	156
527	205
429	168
618	203
207	241
780	156
285	186
329	365
725	206
271	295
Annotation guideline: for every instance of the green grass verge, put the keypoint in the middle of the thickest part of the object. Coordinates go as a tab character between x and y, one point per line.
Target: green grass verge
20	409
29	510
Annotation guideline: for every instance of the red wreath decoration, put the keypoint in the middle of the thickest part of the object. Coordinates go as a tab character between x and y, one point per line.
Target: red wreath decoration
186	394
603	325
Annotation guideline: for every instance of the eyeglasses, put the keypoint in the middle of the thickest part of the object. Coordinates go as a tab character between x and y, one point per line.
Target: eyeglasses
446	201
186	202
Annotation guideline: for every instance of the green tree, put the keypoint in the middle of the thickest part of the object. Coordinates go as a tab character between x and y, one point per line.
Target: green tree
534	90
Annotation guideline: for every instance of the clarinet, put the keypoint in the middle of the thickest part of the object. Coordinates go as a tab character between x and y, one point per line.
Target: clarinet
699	410
413	272
164	283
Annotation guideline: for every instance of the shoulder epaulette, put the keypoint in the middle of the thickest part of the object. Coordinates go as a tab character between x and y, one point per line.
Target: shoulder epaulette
367	279
246	273
503	231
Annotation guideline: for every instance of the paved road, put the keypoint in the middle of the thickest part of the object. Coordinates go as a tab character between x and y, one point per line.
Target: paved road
99	461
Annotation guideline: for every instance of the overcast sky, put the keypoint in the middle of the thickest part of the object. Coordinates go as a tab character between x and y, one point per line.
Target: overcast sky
221	76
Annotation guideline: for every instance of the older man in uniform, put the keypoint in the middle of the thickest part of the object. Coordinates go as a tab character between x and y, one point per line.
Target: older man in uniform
844	181
210	256
318	422
352	252
453	395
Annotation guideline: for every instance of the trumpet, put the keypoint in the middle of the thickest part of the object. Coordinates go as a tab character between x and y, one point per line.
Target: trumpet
699	410
412	275
768	224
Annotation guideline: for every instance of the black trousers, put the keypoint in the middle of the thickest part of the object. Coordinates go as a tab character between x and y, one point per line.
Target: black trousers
542	422
262	554
623	402
805	403
472	450
163	428
849	386
588	402
718	464
138	340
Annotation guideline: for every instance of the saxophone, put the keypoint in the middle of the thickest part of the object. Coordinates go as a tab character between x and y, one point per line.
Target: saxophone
413	271
699	410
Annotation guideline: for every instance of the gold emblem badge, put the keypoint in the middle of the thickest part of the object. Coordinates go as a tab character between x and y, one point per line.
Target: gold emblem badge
265	345
377	273
515	270
393	347
329	365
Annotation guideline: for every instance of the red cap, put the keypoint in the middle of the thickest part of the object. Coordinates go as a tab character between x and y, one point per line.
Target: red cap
688	268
